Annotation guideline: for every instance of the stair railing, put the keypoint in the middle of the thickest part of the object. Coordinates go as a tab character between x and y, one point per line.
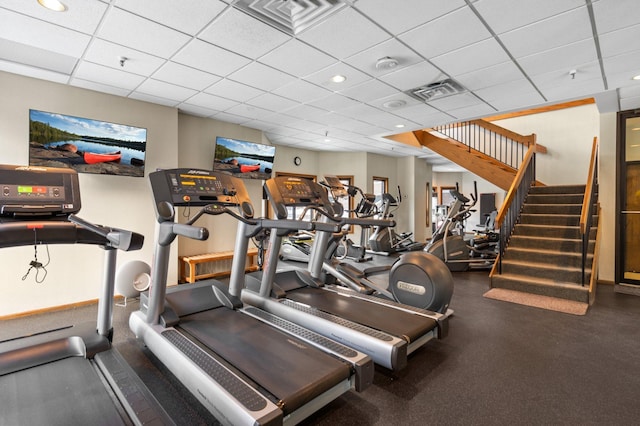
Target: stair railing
513	202
588	205
503	145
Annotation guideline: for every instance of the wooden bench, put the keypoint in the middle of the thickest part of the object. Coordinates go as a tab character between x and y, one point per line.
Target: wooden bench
188	264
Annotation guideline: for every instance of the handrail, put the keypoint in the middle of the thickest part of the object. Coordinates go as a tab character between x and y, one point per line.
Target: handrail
586	215
512	205
503	145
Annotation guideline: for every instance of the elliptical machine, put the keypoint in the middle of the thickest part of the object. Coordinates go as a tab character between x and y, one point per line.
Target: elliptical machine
448	242
416	279
385	240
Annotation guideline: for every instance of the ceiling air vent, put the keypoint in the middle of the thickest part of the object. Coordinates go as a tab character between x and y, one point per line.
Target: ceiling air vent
437	90
291	16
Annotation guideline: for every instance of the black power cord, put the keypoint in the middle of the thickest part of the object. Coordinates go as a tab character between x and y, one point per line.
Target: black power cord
35	264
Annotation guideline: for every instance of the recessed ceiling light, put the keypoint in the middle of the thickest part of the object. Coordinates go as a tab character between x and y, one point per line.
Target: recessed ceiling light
55	5
399	126
338	78
636	77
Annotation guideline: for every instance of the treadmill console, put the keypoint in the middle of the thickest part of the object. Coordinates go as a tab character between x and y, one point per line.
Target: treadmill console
335	186
284	191
33	192
198	188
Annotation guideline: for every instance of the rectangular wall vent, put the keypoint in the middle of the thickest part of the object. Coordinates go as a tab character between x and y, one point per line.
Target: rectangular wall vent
437	90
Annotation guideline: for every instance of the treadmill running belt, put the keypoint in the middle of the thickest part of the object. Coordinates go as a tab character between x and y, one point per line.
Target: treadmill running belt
286	367
65	392
393	321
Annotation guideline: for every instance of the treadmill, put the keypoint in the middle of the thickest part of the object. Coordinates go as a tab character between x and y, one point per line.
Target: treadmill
245	365
388	332
71	375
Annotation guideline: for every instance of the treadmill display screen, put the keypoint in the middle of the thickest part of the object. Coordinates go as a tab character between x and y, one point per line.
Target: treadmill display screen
194	187
38	191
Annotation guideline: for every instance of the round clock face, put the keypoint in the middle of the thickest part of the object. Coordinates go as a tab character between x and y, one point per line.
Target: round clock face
297	161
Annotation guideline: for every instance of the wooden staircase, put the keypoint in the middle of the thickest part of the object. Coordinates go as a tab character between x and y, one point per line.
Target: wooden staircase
485	149
544	254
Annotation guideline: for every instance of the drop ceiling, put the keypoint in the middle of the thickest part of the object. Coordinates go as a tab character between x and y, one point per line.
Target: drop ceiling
210	58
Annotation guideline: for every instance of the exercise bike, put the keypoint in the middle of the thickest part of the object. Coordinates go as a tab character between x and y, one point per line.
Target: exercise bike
448	242
416	278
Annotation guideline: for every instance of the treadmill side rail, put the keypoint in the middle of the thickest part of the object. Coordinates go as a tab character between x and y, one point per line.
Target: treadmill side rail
211	394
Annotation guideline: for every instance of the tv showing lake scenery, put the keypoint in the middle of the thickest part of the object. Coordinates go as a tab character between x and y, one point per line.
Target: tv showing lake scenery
86	145
244	159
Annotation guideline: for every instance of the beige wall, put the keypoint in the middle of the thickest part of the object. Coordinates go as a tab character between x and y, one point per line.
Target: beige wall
75	272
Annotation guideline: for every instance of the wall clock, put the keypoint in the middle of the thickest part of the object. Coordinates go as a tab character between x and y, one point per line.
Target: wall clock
297	161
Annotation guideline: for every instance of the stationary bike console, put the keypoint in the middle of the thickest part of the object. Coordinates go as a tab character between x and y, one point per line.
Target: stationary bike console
34	192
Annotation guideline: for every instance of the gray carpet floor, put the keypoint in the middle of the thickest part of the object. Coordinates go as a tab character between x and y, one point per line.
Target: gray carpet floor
501	364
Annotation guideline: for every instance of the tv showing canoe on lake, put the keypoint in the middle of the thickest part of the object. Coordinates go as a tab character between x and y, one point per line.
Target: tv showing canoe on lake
246	160
86	145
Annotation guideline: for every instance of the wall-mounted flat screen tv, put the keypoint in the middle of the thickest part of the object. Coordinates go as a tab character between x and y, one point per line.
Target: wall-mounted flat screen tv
244	159
86	145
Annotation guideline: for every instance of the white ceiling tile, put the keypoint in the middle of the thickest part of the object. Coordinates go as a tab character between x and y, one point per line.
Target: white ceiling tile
390	100
230	118
108	54
612	15
232	90
472	111
400	16
82	15
490	76
209	58
473	57
261	77
323	78
586	72
510	89
165	90
196	110
630	103
455	102
331	119
36	57
564	58
449	32
369	90
109	76
413	76
627	62
518	101
504	15
249	111
212	102
366	60
238	32
617	42
344	34
184	76
33	32
187	16
130	30
159	100
98	87
416	112
305	112
297	58
578	90
566	28
301	91
272	102
333	102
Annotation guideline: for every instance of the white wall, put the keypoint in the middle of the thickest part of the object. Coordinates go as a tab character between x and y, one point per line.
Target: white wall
567	134
75	272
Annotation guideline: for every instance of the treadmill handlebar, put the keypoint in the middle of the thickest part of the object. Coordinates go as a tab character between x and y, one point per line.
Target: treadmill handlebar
194	232
118	238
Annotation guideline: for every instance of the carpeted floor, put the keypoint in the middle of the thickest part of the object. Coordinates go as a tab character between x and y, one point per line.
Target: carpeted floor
502	364
538	301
